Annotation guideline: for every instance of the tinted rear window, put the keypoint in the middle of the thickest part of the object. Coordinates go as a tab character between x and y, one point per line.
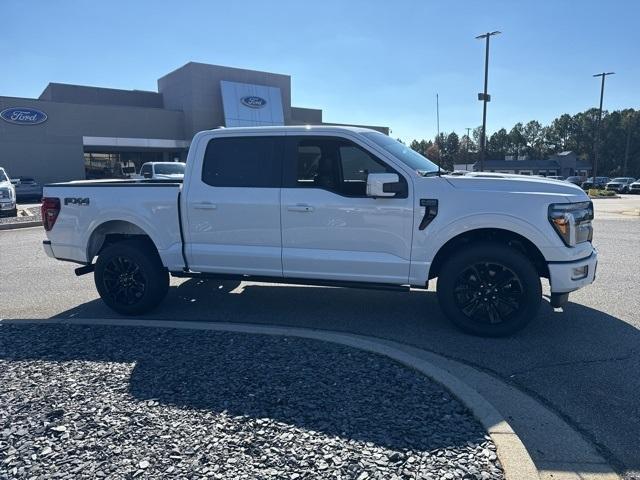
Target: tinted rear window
243	162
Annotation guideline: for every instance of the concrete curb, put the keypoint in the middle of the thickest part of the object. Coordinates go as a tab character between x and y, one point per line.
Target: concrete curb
14	226
511	452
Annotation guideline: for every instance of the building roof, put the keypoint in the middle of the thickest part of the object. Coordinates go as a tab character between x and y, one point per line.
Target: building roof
87	95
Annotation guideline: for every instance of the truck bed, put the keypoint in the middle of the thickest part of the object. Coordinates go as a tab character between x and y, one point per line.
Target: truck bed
149	205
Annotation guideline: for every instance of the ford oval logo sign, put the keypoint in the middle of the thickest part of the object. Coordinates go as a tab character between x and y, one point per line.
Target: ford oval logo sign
253	102
23	116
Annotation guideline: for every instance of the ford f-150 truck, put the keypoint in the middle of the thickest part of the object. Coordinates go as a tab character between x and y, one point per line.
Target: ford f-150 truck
334	206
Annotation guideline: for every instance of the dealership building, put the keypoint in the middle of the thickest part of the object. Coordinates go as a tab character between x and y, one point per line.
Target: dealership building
73	132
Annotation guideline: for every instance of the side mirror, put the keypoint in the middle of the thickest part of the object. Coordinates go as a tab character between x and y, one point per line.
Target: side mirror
147	175
384	185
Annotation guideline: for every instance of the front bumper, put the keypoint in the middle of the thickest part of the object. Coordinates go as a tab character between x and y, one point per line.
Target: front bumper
566	277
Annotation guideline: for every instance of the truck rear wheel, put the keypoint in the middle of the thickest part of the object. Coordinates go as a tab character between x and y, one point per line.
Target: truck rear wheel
130	277
489	289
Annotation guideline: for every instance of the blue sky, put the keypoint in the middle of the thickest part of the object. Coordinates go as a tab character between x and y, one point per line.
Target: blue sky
371	62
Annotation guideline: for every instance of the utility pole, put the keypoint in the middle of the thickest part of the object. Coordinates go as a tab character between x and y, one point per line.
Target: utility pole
438	120
596	147
485	97
466	152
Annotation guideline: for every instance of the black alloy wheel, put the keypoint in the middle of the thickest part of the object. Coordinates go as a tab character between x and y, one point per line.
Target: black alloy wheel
489	289
489	292
130	277
124	281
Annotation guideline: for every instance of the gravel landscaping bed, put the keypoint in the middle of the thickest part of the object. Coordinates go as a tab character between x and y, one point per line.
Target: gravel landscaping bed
34	216
123	403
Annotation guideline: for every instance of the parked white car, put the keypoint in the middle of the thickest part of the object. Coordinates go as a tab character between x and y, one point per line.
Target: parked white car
7	195
162	170
336	206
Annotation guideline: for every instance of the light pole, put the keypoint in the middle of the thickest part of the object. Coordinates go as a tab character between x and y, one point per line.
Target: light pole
597	143
466	150
485	97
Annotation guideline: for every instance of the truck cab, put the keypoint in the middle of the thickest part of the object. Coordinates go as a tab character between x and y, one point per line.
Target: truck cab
334	206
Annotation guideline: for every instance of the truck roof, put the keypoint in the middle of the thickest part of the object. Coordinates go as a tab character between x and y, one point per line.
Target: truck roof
295	128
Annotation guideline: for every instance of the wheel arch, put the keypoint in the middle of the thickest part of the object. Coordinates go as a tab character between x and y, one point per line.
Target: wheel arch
495	235
113	231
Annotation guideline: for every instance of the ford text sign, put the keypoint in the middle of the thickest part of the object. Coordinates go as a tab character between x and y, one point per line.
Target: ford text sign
253	102
23	116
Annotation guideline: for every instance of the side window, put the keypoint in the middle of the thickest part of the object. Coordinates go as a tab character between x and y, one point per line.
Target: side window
243	162
334	164
308	157
356	164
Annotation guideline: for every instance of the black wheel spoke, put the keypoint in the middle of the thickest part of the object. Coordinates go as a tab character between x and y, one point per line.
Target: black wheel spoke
488	292
124	280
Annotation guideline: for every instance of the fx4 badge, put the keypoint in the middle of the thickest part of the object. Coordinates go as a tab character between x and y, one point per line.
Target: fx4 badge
76	201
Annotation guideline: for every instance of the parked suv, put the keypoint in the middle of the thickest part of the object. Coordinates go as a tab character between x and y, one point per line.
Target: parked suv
635	187
600	182
7	195
345	207
620	184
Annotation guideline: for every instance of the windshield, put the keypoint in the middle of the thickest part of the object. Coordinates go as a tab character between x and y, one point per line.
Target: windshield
3	176
621	179
406	155
169	169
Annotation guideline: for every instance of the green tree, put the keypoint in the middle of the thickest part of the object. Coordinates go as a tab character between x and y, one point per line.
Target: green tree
517	142
499	145
451	150
533	136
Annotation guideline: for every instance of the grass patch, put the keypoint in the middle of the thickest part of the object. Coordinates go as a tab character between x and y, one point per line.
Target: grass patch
596	192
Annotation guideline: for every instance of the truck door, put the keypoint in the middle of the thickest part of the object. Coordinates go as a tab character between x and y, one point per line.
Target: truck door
233	207
330	228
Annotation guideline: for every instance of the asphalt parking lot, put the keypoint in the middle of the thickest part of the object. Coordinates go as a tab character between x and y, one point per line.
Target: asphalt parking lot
582	363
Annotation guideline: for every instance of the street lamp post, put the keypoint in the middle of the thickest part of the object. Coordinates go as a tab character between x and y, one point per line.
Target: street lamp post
485	97
597	143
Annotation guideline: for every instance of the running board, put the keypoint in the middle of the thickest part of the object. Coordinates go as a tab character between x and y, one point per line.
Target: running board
297	281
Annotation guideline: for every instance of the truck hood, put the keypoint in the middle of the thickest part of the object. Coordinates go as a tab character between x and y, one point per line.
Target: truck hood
511	183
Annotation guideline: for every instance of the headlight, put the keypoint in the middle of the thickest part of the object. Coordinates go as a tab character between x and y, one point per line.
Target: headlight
5	193
572	221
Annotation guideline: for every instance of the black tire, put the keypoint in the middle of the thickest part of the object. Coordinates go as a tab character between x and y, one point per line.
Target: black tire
130	277
489	289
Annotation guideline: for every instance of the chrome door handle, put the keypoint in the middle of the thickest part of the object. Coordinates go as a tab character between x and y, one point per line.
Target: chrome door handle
300	207
205	206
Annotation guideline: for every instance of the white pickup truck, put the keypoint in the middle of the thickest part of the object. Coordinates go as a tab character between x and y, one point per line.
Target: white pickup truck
330	206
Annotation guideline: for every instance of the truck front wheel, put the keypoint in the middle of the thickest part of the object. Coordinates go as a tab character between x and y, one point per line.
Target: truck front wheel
130	277
489	289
